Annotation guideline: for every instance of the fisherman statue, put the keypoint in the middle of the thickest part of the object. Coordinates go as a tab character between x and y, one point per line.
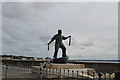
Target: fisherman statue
59	44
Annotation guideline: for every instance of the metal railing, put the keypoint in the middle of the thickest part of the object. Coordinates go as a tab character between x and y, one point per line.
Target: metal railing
47	73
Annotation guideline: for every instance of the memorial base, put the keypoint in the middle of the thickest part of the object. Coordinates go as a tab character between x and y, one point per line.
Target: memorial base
64	66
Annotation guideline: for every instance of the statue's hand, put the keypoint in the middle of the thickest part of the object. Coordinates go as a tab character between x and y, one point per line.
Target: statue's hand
48	43
69	36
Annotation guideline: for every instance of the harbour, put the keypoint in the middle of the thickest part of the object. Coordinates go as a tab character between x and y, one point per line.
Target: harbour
33	70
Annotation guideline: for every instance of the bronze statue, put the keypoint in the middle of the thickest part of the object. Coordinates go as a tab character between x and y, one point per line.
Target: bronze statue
59	44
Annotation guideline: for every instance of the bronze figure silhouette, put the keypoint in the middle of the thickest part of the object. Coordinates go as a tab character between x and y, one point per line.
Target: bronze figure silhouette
59	44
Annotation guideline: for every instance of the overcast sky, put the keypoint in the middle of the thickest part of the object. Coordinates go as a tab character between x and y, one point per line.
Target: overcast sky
28	27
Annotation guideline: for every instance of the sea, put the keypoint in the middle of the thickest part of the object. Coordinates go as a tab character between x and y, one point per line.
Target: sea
101	61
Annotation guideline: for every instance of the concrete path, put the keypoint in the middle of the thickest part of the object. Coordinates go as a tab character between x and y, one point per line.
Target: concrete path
14	72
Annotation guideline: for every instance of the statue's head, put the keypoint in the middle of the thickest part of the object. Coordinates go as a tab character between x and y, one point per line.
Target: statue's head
60	31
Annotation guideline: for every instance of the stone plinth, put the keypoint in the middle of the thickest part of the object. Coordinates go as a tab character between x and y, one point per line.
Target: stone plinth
65	66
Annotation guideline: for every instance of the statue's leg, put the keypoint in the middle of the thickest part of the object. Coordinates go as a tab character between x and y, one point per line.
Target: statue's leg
56	51
63	51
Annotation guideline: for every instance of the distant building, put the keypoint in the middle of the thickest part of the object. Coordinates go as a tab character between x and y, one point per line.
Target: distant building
24	58
6	57
47	58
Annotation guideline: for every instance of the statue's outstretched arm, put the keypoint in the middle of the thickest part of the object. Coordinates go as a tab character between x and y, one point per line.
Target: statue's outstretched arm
64	38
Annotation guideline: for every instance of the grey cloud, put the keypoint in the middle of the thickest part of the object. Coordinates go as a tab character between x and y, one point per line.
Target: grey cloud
27	27
87	44
82	44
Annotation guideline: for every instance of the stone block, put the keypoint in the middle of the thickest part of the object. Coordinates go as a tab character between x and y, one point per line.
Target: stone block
65	66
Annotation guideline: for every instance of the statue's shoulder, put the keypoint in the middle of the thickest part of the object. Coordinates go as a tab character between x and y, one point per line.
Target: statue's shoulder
55	35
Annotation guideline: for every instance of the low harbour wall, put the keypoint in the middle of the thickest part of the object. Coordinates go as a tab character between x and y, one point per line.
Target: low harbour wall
22	63
108	69
100	66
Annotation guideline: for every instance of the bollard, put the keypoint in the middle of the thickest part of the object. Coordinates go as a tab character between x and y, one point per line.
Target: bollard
56	72
93	74
88	74
49	71
72	73
24	70
29	69
53	71
105	75
77	74
82	73
68	73
46	71
60	73
41	72
64	72
110	75
41	68
100	75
